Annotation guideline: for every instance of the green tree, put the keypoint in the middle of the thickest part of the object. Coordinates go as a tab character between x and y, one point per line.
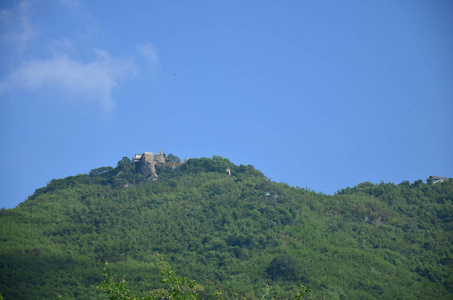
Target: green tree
125	164
284	267
178	287
100	171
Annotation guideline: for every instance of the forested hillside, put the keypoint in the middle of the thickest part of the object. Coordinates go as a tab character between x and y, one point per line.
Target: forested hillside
236	233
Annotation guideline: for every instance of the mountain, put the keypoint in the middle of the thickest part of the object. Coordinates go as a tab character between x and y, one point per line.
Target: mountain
232	230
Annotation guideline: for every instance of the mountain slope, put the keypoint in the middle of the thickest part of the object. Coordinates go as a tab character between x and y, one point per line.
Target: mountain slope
241	232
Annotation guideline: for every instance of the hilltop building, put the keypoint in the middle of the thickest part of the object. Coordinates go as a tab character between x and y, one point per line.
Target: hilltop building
438	178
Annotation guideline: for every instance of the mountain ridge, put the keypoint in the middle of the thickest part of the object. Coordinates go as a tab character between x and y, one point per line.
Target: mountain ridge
372	241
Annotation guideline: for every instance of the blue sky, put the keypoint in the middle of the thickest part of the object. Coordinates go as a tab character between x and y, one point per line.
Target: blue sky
318	94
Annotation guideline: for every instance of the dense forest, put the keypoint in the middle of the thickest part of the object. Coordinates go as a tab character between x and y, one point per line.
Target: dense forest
234	233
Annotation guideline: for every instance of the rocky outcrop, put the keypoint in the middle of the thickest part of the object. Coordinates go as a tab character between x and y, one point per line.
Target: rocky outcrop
147	163
159	158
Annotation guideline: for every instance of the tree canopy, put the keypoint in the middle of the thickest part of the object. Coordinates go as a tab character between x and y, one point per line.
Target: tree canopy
239	232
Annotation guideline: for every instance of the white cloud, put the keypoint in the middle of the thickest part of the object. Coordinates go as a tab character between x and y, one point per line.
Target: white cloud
149	53
82	81
61	74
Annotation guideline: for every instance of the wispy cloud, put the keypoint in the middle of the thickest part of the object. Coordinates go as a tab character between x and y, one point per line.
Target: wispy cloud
91	81
16	26
62	45
148	51
57	65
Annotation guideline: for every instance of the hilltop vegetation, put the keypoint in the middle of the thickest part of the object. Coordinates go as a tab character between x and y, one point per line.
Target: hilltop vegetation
238	233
